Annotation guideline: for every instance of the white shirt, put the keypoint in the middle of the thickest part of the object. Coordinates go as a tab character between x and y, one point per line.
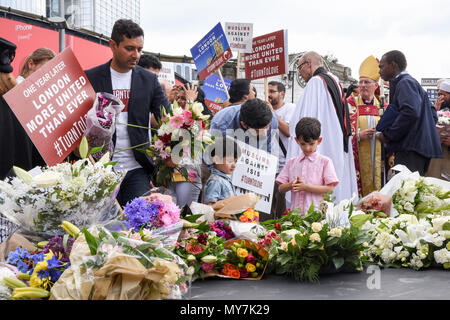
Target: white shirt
285	113
121	85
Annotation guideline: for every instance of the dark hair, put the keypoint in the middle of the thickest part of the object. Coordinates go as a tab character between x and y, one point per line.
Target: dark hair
396	56
126	28
255	113
238	89
308	129
201	99
223	147
280	86
150	61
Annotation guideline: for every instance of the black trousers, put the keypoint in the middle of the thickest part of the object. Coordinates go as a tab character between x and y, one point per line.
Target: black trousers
135	184
413	161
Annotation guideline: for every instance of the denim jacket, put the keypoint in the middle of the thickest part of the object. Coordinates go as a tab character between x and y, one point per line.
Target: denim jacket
218	187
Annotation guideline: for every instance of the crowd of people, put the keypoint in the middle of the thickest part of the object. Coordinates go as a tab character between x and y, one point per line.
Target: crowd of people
332	141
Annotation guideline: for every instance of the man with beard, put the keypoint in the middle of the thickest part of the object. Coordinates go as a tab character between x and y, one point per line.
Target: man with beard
141	94
412	135
323	99
283	111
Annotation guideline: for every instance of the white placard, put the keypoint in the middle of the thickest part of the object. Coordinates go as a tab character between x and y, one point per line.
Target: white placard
167	72
255	171
239	36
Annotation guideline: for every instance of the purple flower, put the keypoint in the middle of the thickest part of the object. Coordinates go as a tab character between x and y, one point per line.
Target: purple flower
139	213
56	245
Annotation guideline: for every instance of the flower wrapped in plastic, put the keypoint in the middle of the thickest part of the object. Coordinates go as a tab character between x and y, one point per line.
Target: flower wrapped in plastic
82	193
443	124
181	139
101	122
121	265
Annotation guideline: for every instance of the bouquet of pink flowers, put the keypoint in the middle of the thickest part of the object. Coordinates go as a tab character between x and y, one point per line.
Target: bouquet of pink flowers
100	122
181	138
443	124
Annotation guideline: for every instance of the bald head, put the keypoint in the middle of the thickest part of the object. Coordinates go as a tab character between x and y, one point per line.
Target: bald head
308	64
314	58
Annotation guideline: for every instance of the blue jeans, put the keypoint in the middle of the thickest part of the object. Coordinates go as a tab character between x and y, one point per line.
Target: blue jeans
134	185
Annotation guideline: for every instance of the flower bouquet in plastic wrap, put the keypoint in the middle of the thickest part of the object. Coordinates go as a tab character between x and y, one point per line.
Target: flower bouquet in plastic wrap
181	139
121	265
202	246
81	192
101	121
30	271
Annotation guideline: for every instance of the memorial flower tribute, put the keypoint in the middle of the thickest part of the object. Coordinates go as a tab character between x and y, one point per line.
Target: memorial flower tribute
181	138
80	192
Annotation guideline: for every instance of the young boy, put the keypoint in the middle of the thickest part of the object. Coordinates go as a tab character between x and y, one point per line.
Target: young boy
224	155
310	175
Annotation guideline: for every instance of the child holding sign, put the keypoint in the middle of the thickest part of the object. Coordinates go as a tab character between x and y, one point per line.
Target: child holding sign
219	186
310	175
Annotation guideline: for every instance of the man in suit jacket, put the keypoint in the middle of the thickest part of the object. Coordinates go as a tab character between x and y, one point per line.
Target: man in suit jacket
141	94
412	136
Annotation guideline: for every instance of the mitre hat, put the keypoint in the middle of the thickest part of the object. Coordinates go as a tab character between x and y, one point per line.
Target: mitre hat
370	69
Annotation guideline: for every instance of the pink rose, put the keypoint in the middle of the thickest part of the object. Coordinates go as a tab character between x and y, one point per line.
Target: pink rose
188	120
250	259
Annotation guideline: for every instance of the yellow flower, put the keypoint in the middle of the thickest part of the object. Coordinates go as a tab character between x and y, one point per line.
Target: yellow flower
243	253
250	267
250	214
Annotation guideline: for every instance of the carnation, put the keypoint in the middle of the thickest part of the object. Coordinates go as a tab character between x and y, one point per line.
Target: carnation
336	232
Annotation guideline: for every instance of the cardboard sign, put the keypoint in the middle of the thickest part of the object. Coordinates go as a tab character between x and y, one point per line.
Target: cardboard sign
269	56
51	105
167	72
211	52
239	36
255	171
215	94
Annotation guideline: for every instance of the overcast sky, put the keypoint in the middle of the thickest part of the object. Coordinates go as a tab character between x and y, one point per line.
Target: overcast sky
347	29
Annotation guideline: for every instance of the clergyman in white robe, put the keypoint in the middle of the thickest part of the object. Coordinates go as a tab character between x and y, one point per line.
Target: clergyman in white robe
316	102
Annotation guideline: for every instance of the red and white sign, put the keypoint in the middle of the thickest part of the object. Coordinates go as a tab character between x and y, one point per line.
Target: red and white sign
269	56
51	104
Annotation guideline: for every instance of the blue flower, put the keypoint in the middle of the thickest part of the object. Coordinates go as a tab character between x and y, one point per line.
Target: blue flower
55	275
53	263
17	255
140	213
38	257
22	266
43	274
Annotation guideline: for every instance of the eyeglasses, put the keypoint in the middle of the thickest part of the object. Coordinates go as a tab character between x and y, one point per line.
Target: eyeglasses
365	82
301	65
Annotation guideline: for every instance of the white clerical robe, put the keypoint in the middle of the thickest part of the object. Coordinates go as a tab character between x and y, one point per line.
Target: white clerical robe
316	102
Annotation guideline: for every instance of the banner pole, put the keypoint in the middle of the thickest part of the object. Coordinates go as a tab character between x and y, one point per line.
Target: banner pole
223	82
238	68
266	89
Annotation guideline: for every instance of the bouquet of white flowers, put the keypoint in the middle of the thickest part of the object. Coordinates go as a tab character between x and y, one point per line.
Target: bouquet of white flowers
82	193
417	196
406	241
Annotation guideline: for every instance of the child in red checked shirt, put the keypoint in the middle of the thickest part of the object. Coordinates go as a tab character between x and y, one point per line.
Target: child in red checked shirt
310	175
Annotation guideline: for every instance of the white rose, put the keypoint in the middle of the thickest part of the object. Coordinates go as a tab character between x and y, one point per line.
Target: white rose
316	227
442	256
47	179
197	109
